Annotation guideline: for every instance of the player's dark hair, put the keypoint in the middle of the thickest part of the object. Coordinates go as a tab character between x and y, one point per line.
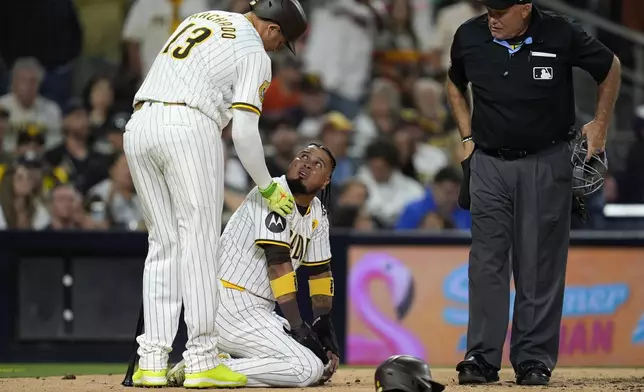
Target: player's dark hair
325	195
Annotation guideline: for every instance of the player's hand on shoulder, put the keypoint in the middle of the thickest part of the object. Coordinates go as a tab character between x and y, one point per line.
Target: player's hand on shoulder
307	338
278	199
323	328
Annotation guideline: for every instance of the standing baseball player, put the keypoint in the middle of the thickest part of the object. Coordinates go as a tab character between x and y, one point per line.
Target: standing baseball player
260	254
213	68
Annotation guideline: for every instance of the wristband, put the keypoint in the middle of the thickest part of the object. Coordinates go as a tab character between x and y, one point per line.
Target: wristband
466	139
285	284
322	286
268	191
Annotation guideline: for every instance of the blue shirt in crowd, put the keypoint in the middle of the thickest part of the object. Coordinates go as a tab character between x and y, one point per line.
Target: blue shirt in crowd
415	212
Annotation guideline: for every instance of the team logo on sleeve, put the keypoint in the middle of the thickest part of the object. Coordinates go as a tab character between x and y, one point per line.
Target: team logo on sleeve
315	224
275	223
262	90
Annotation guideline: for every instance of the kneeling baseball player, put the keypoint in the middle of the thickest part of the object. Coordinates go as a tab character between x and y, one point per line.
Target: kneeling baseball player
260	254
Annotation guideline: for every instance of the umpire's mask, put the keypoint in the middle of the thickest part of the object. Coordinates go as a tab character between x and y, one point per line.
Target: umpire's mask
588	177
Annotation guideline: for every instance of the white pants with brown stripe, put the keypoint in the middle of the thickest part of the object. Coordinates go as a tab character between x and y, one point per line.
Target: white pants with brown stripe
251	331
175	155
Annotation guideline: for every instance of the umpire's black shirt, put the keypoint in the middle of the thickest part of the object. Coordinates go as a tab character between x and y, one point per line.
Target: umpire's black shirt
522	89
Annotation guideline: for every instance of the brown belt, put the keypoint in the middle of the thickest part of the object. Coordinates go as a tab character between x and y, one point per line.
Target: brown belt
139	105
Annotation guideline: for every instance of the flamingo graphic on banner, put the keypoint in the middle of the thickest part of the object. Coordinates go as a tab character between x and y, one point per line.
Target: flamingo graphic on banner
391	337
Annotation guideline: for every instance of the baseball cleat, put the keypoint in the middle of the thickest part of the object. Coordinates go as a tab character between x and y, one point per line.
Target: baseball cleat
219	377
177	374
149	378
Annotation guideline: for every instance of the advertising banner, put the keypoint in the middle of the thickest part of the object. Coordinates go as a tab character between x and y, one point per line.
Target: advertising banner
413	300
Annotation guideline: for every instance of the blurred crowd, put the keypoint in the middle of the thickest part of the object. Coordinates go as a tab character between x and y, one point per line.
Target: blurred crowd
367	83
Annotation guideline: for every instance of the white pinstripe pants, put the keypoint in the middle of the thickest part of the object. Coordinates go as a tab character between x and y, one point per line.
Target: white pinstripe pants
251	330
176	159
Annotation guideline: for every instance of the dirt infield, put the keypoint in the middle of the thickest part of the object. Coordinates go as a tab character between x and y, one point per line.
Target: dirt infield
600	379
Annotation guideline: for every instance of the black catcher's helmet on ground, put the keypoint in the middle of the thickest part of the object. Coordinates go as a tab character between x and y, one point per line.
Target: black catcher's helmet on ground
288	14
405	373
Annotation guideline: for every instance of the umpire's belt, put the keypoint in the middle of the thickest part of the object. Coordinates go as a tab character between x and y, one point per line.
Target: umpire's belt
511	154
506	154
139	105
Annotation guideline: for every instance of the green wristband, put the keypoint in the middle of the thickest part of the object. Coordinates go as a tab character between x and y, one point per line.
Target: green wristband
269	190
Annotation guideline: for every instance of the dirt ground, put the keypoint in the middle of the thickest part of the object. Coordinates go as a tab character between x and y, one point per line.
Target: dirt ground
596	379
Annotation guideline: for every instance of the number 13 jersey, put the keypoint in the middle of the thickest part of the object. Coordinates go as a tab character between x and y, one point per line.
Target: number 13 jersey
213	62
242	261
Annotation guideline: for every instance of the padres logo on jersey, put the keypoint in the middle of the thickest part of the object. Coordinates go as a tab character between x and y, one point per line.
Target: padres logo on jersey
262	90
299	243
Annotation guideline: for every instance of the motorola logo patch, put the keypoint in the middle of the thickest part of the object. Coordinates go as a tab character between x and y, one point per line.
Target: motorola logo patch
275	223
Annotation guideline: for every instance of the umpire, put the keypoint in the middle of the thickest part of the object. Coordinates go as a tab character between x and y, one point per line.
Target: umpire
518	60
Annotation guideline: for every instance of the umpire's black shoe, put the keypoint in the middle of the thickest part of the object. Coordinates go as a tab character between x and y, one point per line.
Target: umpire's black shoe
532	372
475	370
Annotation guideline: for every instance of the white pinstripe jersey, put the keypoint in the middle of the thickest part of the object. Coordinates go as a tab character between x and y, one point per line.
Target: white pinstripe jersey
213	62
242	260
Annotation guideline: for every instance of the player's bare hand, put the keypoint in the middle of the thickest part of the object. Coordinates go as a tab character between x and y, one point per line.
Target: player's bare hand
334	362
595	133
278	199
330	368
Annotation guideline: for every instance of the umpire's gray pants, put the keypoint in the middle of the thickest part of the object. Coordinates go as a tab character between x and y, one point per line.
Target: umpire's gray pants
522	206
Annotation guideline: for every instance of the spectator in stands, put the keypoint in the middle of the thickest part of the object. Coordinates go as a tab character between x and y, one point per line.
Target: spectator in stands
98	97
408	77
114	201
428	100
35	165
350	209
25	105
397	45
30	138
20	205
418	159
447	21
439	209
336	135
81	163
30	153
5	157
111	141
284	139
389	190
148	25
339	49
49	31
283	96
379	117
102	21
61	206
64	201
311	113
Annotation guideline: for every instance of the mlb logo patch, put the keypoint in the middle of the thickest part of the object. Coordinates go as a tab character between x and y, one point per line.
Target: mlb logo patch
542	73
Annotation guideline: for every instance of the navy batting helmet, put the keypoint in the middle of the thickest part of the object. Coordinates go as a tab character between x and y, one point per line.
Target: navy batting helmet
287	14
406	374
